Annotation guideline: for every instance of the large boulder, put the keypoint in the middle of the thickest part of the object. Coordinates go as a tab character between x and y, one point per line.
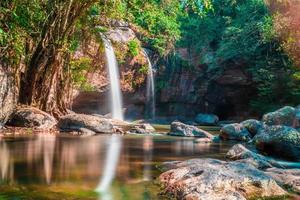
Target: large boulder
280	141
76	122
285	116
201	179
242	154
31	117
207	119
181	129
7	95
235	132
252	125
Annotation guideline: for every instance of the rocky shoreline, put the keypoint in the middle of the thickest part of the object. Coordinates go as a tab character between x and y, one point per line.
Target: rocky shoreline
249	170
246	174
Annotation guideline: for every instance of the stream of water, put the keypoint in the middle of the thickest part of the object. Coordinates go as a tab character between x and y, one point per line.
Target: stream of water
114	79
150	89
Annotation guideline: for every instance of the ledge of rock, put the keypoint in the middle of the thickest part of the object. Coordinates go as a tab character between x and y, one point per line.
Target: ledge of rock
85	123
31	117
214	179
181	129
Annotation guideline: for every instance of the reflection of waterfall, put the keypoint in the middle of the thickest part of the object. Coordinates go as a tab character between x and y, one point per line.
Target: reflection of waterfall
111	162
150	89
114	78
6	167
49	147
148	148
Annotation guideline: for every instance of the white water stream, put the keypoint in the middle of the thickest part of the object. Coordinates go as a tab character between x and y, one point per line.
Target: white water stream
114	78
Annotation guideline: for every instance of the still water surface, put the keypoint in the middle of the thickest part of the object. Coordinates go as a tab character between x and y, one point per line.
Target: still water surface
102	167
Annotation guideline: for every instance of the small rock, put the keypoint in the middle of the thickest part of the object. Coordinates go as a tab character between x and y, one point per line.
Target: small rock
31	117
235	132
142	129
75	122
207	119
181	129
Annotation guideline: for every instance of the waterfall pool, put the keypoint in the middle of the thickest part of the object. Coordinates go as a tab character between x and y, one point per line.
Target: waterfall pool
56	167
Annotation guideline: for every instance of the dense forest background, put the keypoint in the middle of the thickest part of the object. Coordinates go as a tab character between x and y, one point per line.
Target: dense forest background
38	39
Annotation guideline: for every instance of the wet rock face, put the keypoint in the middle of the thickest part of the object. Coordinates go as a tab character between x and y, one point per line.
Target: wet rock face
7	95
83	123
31	117
282	141
189	92
235	132
181	129
201	179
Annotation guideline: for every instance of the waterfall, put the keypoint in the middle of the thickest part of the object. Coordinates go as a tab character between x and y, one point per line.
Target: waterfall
150	89
114	78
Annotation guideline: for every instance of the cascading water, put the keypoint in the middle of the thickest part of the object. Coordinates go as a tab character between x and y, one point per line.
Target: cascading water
114	78
150	89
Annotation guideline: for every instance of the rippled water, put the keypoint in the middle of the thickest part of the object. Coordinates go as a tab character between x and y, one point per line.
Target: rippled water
100	167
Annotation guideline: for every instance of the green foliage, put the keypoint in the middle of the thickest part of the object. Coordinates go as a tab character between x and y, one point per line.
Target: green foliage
134	47
241	33
79	70
144	69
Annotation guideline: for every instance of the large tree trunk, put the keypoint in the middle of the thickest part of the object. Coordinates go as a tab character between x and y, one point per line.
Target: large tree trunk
47	79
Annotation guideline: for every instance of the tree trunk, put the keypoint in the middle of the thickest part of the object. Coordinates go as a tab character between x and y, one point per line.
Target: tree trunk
47	79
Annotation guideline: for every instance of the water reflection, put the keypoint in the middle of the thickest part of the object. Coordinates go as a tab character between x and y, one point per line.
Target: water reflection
148	151
116	166
6	164
109	171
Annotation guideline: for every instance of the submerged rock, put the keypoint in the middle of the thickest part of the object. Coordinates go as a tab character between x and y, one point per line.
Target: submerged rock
280	141
31	117
207	119
201	179
235	132
181	129
285	116
76	122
